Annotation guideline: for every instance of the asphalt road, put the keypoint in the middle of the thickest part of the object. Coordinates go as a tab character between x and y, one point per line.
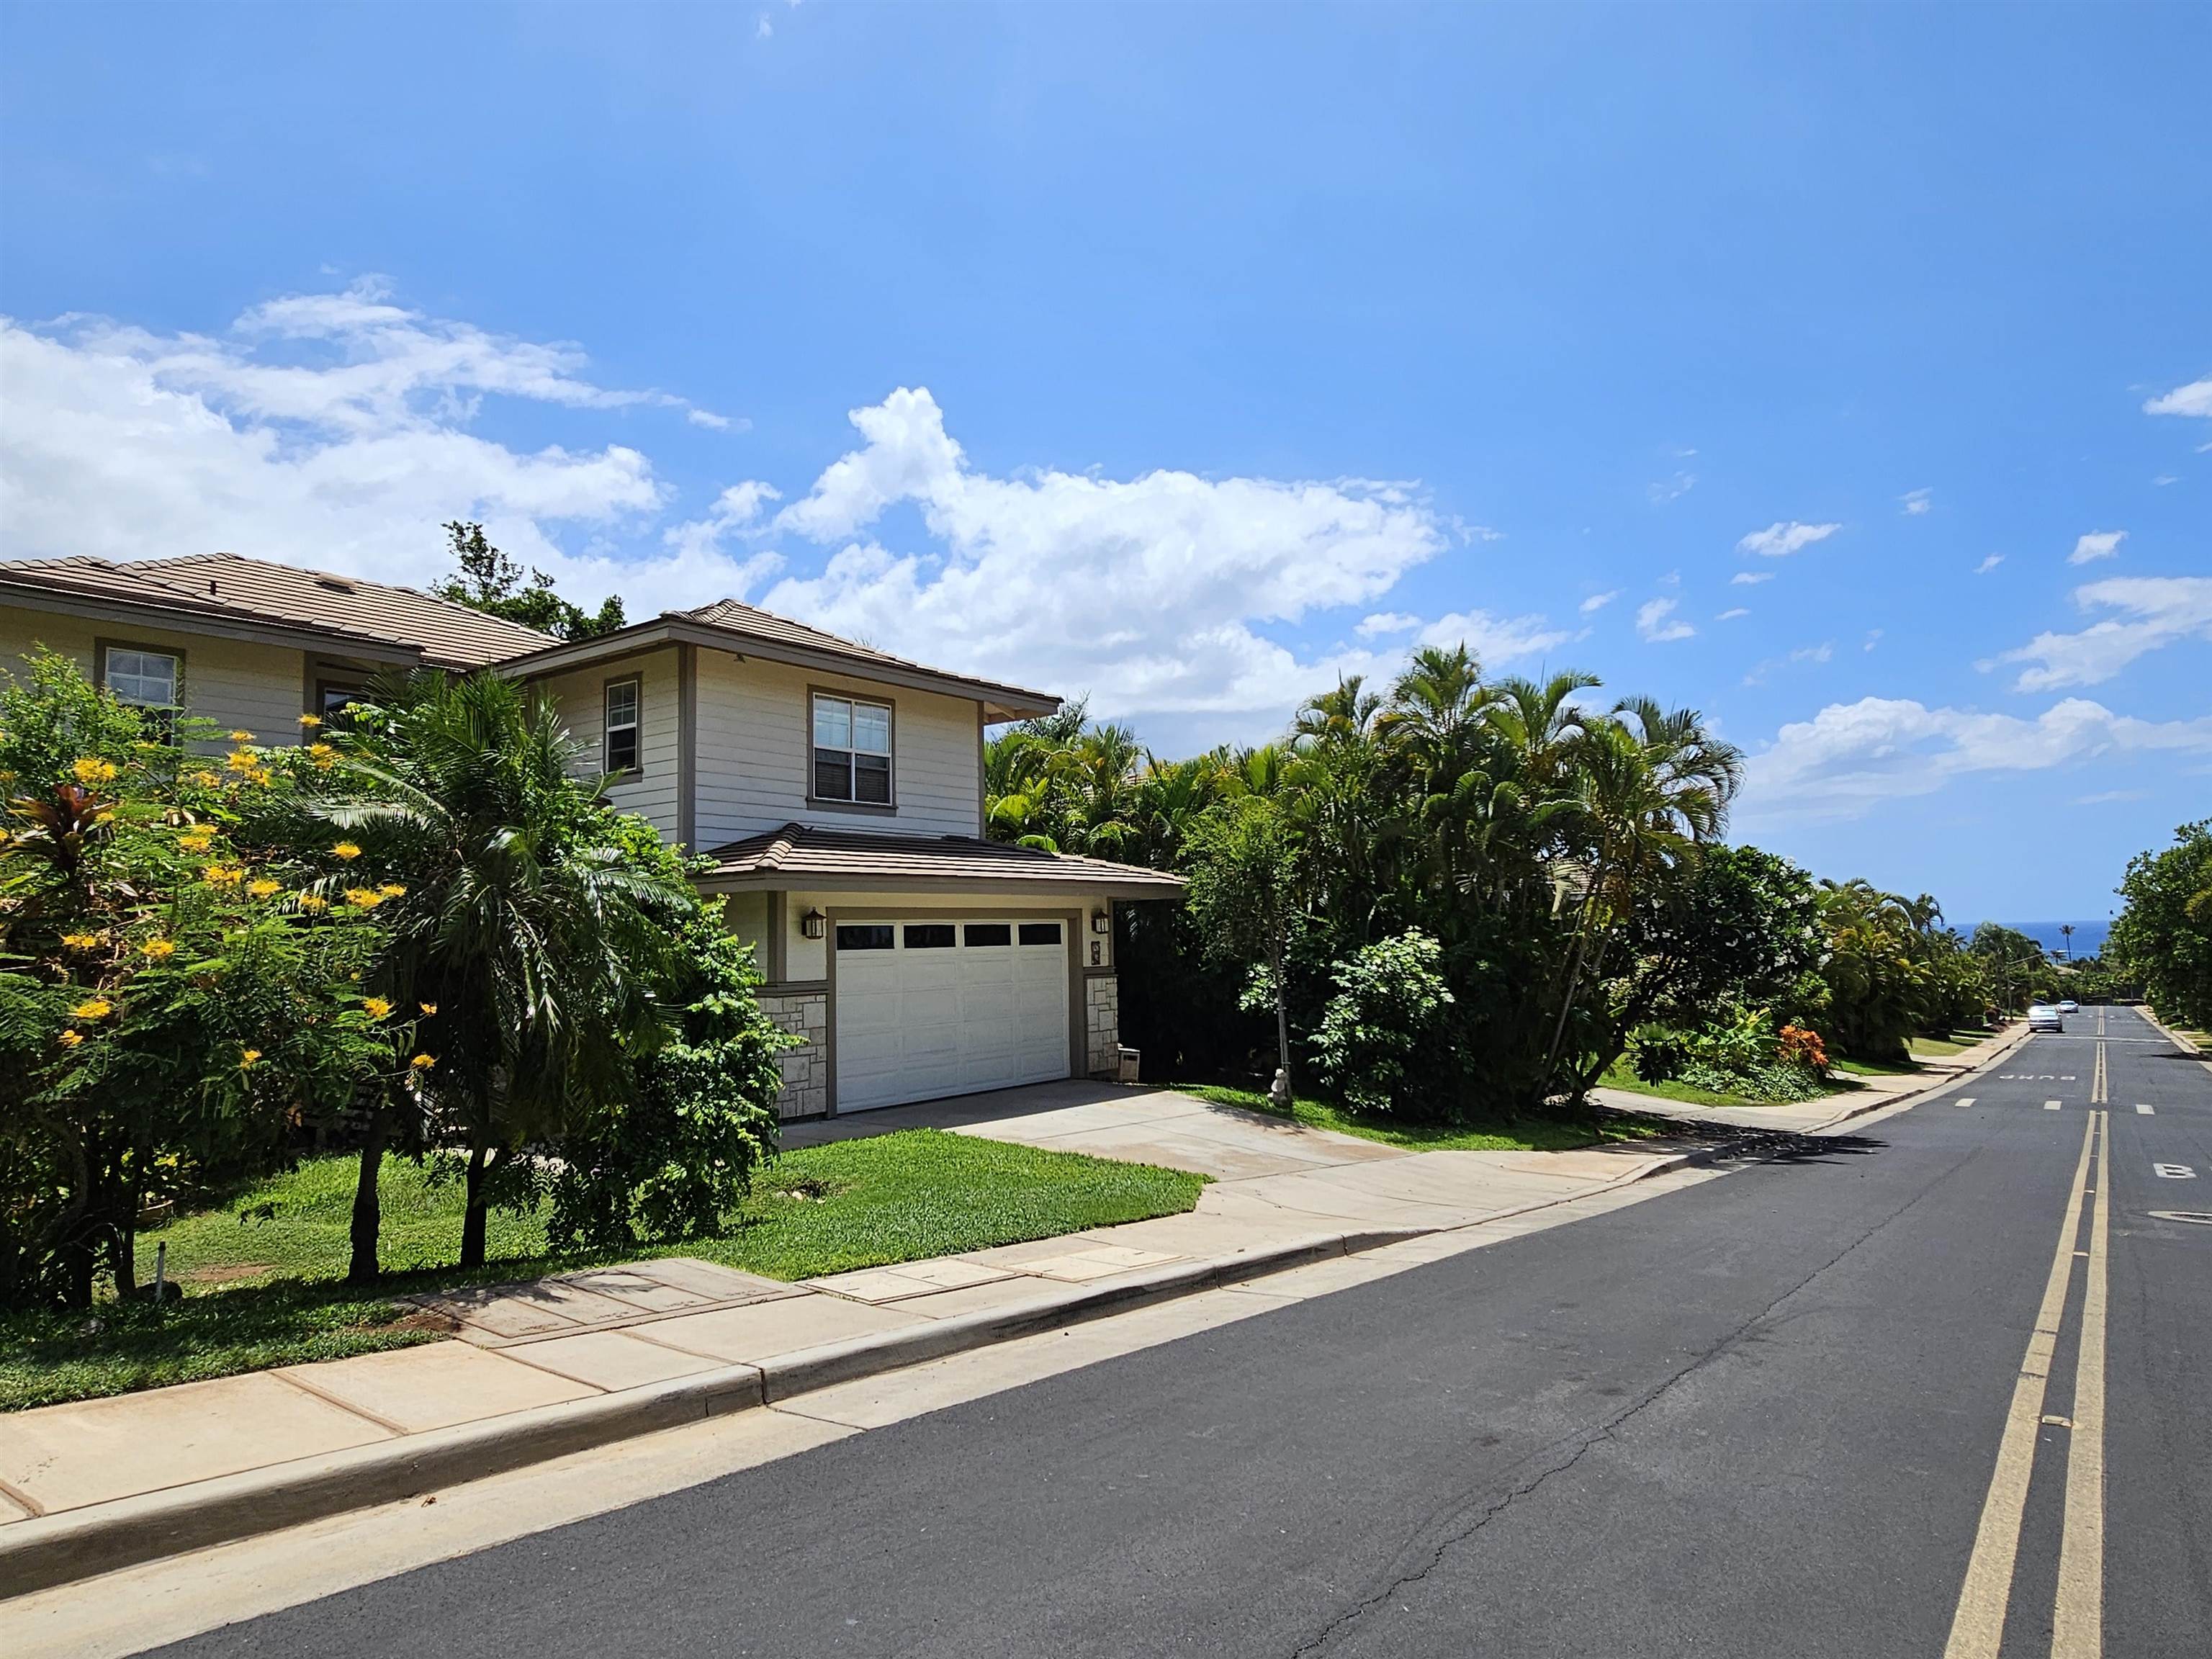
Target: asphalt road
1757	1417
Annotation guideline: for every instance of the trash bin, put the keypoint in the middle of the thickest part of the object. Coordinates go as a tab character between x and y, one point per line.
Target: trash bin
1132	1062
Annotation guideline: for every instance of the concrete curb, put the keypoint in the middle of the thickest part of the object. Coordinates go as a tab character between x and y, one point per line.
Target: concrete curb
46	1550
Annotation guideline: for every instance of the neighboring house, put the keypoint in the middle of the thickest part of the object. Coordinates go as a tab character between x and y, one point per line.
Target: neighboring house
838	789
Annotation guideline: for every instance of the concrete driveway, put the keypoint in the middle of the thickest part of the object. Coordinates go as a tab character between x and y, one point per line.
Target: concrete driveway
1112	1119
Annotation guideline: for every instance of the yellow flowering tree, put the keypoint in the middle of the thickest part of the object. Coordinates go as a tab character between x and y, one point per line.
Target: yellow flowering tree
167	1005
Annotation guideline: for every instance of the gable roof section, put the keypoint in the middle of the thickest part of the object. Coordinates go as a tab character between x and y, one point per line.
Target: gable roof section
801	856
315	607
748	631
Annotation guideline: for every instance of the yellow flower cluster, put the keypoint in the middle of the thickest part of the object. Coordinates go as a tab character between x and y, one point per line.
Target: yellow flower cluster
70	1039
377	1007
80	941
313	904
224	875
91	769
196	841
246	1058
393	890
242	736
311	721
93	1008
263	887
364	899
323	755
158	950
202	778
345	852
423	1062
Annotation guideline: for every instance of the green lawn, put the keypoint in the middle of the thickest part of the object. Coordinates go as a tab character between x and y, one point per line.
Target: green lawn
1927	1048
1620	1076
1876	1067
260	1273
1496	1135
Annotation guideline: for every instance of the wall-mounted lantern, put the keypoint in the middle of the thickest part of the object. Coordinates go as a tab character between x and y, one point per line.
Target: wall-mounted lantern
811	923
1102	921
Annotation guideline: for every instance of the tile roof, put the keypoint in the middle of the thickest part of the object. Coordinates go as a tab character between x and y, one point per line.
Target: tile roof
802	855
735	617
254	591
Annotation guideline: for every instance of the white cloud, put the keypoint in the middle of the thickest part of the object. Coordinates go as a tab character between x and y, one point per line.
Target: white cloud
2164	479
2097	545
1873	639
1731	614
2105	797
1597	602
1657	622
2195	398
764	29
1917	501
1145	592
1780	539
1384	622
1824	652
1849	757
1751	578
1673	489
2156	612
1989	564
340	429
332	430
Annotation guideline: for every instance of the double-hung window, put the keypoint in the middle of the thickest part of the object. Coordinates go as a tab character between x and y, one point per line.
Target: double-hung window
625	700
151	680
852	750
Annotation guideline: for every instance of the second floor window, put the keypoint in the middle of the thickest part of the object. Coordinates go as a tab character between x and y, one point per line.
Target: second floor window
151	680
852	750
624	698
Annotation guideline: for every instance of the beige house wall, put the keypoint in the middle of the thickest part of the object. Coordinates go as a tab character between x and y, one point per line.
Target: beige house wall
238	684
654	791
756	745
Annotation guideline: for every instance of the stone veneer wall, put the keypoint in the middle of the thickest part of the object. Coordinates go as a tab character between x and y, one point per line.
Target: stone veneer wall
1102	1007
805	1069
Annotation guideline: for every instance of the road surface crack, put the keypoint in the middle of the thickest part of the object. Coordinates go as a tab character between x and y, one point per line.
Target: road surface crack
1578	1446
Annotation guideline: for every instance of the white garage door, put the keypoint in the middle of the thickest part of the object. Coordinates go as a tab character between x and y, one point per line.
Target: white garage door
928	1007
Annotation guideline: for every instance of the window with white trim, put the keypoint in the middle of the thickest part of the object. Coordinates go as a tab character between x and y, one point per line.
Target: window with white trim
852	750
151	680
619	735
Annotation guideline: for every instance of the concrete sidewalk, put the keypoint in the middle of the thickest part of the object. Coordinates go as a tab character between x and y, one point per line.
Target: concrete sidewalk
544	1368
1811	1116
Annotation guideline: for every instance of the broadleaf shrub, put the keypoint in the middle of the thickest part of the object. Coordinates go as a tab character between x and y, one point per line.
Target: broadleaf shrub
1389	1003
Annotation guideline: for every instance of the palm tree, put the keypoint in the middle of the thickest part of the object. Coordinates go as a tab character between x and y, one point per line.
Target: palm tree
530	942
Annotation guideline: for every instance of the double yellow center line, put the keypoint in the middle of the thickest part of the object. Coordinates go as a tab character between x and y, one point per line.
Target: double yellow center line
2078	1614
2097	1081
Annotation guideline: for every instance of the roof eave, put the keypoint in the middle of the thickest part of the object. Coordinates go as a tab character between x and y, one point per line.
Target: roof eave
1072	886
1000	702
180	618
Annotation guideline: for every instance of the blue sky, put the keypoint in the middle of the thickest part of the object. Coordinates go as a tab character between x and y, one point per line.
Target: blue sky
1192	357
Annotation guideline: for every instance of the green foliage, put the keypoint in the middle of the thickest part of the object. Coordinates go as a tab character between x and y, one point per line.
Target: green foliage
174	997
671	1158
1381	1023
1658	1054
532	926
490	581
2163	938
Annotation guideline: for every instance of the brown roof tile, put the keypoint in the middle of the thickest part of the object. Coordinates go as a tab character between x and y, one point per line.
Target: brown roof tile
223	585
800	855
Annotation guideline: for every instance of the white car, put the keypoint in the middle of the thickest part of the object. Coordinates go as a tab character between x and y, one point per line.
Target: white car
2045	1017
2070	1007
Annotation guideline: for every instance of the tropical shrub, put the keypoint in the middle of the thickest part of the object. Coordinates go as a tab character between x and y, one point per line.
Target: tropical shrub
1381	1024
671	1159
177	998
2163	938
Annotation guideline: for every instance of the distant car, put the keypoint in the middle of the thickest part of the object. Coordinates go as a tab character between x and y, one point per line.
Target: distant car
2070	1007
2045	1017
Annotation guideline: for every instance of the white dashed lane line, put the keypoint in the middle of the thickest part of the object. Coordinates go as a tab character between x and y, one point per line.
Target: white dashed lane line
2145	1111
2050	1105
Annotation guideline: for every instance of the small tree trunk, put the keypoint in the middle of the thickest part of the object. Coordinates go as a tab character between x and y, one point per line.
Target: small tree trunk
472	1222
367	1211
1279	1092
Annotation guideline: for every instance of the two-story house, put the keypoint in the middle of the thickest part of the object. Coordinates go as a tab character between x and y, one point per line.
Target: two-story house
839	791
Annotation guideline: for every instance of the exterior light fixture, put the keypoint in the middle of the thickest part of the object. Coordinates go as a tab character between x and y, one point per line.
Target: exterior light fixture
1102	921
811	924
